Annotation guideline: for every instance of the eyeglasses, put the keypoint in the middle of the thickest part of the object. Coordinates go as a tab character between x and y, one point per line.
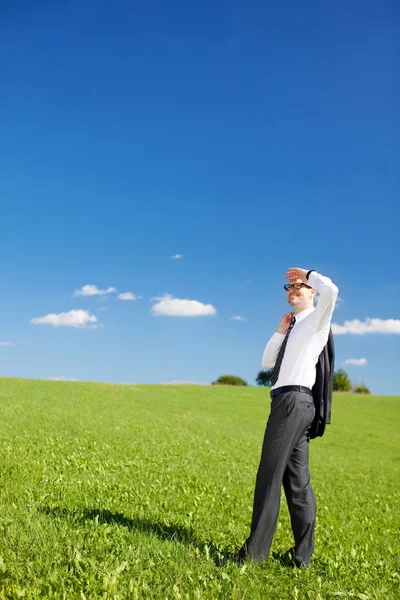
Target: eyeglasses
296	286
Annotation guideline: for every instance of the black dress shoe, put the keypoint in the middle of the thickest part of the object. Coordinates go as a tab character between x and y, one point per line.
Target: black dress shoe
238	559
224	559
241	556
288	559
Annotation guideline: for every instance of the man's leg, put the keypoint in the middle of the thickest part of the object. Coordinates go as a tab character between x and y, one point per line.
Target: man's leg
290	417
301	502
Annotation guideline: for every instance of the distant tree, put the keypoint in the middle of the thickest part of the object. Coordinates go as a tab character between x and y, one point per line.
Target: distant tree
264	377
361	389
341	381
229	380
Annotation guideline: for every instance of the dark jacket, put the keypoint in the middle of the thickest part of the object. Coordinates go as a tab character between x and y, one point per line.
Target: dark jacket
322	389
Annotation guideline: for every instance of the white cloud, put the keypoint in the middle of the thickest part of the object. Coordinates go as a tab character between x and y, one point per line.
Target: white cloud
176	256
175	307
92	290
358	362
128	296
61	379
74	318
339	302
237	318
6	344
358	327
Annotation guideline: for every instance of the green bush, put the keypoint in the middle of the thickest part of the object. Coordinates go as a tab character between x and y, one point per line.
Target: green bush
361	389
264	377
229	380
341	381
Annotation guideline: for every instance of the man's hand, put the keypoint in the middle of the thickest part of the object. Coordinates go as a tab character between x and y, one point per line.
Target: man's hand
294	274
285	322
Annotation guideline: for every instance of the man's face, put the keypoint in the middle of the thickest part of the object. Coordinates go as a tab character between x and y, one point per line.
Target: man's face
302	298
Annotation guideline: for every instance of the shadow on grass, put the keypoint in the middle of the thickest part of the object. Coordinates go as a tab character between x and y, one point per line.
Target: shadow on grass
174	531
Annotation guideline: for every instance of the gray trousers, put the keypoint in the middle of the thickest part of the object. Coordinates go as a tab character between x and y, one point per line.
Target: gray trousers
284	459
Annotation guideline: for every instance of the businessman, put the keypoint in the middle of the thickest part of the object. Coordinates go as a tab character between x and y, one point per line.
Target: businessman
292	353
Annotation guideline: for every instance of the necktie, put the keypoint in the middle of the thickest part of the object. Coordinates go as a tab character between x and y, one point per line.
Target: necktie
277	367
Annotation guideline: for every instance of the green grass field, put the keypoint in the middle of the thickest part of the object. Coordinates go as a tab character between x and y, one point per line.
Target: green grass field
111	491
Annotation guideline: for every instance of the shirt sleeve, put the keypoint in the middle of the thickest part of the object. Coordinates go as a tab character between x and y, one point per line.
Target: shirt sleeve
271	350
322	315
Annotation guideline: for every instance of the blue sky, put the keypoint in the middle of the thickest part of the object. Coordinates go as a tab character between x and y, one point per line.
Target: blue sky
246	137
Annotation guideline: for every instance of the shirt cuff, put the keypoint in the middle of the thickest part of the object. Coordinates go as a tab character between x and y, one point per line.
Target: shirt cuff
311	277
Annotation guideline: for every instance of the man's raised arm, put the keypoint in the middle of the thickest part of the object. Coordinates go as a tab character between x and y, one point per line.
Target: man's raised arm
326	301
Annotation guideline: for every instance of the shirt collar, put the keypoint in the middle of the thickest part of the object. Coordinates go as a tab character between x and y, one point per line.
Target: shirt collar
304	313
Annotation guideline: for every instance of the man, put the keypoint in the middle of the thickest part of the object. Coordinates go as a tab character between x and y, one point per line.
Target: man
292	352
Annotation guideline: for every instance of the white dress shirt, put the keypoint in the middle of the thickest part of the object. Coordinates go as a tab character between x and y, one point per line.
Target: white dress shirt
306	340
